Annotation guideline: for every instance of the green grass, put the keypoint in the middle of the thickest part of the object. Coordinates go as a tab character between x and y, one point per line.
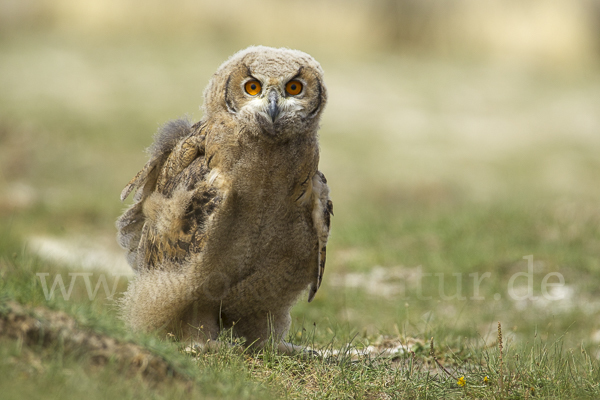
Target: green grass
436	167
536	366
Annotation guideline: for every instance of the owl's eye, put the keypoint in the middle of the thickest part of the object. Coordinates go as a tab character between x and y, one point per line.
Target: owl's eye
253	87
293	87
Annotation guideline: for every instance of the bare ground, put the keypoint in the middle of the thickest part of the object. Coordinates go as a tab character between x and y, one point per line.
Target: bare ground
42	328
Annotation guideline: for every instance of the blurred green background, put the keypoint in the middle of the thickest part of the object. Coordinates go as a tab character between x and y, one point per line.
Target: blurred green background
460	136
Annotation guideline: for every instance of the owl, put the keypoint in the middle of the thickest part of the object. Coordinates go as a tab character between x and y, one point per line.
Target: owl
231	215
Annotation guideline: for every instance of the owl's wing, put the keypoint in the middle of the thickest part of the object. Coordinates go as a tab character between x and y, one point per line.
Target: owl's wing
173	149
171	197
322	210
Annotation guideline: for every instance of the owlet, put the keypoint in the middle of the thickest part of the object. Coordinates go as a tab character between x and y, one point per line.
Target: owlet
231	215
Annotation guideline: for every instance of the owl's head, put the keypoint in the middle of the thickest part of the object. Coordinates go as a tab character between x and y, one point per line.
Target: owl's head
274	93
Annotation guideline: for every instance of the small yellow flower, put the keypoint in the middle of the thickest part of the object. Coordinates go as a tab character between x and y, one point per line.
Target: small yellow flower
485	379
461	381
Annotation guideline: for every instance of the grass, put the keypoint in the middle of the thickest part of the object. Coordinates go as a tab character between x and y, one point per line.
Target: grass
437	166
433	369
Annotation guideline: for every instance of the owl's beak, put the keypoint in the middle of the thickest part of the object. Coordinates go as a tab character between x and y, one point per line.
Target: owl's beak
273	108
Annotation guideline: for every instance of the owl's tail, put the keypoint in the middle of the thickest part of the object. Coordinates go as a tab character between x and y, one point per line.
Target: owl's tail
155	299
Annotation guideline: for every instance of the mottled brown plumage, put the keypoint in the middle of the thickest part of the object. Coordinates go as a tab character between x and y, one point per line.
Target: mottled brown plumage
231	216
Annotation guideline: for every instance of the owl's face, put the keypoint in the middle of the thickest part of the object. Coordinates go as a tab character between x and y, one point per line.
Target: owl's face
271	93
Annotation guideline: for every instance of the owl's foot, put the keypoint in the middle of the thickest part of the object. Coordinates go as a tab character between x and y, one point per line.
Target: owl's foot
210	346
214	346
293	349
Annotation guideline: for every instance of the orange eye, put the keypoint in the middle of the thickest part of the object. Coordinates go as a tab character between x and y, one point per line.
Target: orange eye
293	87
252	87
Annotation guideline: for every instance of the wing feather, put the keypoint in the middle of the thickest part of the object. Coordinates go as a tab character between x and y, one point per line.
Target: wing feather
172	199
321	213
